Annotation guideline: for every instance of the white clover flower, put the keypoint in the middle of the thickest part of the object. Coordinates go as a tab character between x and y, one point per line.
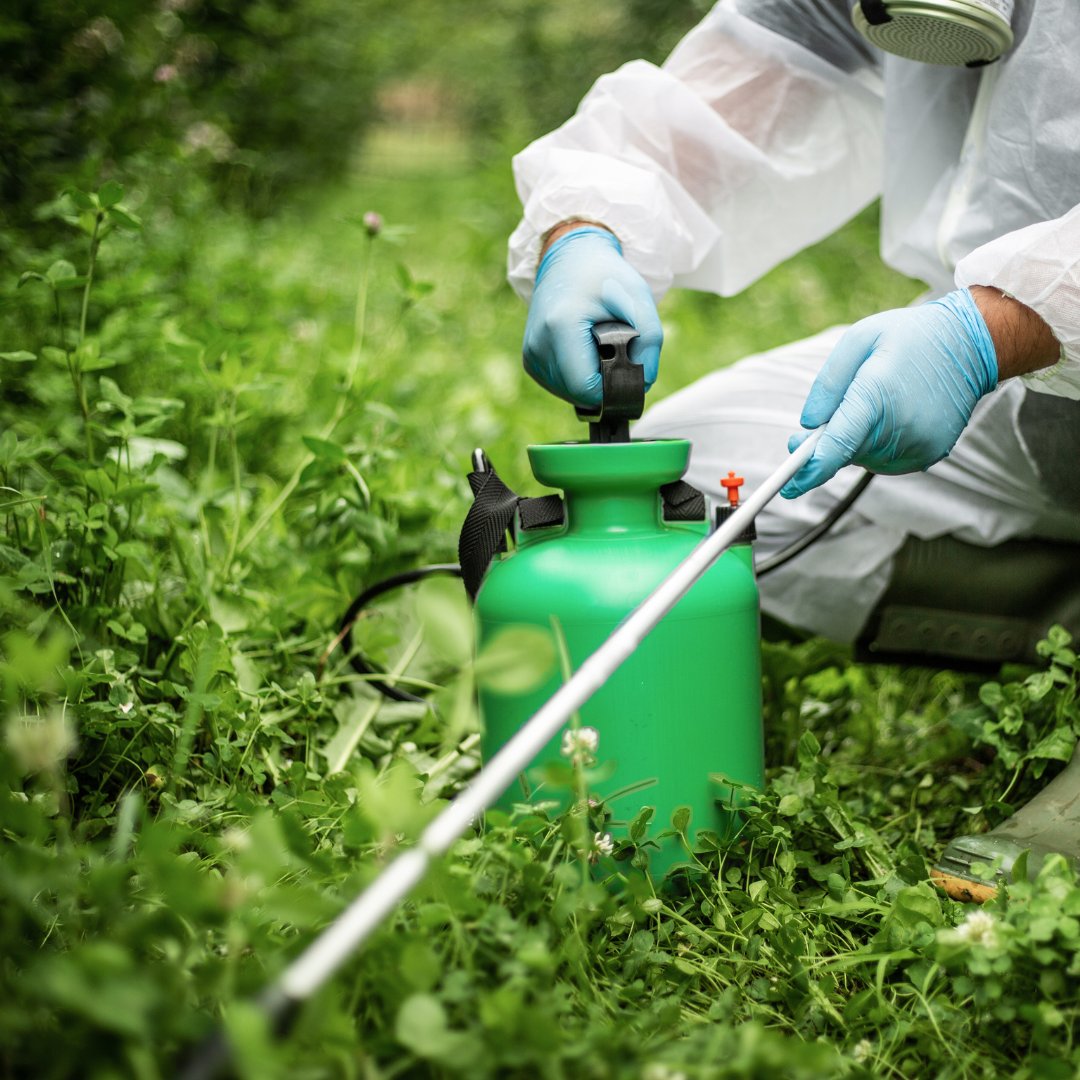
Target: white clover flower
603	844
580	743
41	743
979	928
863	1049
99	37
234	839
657	1070
126	707
205	137
304	330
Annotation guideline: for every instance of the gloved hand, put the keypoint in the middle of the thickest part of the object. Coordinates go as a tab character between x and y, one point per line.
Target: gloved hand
898	390
582	280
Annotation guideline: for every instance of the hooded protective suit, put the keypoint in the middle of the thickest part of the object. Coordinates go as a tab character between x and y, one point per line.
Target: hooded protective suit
771	124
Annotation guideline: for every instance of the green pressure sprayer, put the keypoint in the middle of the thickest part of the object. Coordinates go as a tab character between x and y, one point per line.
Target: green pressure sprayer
626	567
686	707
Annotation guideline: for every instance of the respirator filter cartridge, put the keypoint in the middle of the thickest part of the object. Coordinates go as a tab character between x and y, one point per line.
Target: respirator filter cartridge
958	33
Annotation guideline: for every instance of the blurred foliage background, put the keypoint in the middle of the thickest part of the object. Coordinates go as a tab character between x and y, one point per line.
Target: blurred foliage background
270	97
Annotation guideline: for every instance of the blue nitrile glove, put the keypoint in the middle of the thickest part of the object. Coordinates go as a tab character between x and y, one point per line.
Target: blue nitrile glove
582	280
898	390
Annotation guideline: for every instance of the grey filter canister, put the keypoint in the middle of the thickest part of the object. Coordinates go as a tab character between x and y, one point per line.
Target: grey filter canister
959	33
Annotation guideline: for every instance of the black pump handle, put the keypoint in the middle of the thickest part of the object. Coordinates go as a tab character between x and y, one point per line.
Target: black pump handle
623	385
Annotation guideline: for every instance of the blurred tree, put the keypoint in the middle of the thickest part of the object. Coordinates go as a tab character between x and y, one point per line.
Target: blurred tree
517	68
264	93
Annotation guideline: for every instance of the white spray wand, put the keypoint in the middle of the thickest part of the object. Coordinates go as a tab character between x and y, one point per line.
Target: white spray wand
318	962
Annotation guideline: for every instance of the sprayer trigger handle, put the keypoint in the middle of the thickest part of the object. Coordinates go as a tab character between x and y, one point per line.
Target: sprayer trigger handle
622	382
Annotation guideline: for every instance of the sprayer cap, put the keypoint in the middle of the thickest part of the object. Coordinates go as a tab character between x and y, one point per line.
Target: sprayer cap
722	513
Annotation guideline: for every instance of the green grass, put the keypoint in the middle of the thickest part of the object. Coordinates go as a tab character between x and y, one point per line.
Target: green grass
194	781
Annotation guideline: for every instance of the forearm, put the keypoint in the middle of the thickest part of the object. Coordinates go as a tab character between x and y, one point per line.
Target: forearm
1022	340
1038	266
564	227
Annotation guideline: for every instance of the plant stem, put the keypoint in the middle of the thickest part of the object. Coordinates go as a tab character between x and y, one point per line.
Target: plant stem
95	243
234	539
73	362
192	714
360	316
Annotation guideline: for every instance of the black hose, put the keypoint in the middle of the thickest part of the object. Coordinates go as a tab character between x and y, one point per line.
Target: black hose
359	662
785	555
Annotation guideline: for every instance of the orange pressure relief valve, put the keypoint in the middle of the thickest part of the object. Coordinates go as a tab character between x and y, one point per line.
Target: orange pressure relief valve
731	484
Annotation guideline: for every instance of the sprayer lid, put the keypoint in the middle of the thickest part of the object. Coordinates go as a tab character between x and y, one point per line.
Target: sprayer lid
622	466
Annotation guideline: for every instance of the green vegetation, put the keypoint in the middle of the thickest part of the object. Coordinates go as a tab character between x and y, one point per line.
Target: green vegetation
216	428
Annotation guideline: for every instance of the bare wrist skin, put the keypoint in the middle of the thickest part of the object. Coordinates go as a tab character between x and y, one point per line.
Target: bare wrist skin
564	227
1022	340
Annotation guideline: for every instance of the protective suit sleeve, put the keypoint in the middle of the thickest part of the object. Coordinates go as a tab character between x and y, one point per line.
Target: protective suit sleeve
1040	266
744	148
822	26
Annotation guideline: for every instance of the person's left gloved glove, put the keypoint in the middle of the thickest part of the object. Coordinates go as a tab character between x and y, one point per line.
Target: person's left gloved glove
898	390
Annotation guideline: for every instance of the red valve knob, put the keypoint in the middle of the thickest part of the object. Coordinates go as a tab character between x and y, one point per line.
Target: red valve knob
732	483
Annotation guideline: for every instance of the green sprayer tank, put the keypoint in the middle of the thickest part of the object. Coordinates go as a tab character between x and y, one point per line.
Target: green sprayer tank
687	705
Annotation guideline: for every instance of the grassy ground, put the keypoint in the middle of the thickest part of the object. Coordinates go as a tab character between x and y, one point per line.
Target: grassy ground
251	422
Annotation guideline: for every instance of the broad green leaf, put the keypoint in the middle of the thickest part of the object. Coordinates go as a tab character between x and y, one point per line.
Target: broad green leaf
809	748
1040	684
99	363
125	218
135	633
251	1040
89	358
420	966
99	482
21	356
1057	745
110	193
640	825
323	448
515	660
447	621
421	1027
61	270
81	199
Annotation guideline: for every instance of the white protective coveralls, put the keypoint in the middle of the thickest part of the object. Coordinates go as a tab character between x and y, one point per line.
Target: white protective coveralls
771	124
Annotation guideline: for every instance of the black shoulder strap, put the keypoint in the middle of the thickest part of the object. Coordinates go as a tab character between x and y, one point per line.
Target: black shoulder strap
483	533
491	517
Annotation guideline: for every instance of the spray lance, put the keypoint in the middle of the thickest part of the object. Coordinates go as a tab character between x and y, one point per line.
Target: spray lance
609	442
